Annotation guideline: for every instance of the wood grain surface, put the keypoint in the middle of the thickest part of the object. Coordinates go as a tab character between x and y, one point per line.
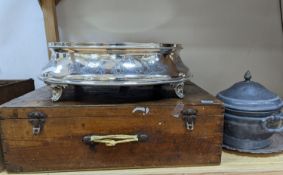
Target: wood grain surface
10	89
232	164
102	112
50	19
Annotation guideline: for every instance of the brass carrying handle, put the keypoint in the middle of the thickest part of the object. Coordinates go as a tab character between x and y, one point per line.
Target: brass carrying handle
113	140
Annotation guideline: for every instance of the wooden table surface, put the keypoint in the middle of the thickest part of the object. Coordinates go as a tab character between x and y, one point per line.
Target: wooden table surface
232	164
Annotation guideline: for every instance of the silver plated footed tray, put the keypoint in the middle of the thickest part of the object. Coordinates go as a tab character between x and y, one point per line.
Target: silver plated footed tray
118	64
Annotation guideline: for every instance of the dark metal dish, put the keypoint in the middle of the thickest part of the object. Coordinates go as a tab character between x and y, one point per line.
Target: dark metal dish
252	115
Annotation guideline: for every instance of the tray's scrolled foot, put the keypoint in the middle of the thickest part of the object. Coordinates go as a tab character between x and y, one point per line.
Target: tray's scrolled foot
57	92
179	89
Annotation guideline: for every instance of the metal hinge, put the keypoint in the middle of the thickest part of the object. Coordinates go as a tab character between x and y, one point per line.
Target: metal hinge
37	119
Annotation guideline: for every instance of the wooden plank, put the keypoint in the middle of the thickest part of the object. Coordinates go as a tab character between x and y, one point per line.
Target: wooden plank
232	164
55	128
50	20
61	148
10	89
107	111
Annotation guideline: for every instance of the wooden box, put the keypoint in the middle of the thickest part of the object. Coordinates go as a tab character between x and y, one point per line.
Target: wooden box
111	128
10	89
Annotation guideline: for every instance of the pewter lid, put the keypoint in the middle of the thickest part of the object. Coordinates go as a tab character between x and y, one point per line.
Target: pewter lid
250	96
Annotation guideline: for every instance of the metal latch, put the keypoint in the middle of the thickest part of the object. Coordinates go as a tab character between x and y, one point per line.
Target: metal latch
37	119
189	116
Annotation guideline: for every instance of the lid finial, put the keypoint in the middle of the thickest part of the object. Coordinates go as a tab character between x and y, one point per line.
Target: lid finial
248	76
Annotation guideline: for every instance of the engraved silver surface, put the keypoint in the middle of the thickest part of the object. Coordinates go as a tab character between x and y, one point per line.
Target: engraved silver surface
57	92
119	64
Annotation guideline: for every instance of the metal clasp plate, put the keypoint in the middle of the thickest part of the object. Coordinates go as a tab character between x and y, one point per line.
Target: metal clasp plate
37	119
143	110
189	116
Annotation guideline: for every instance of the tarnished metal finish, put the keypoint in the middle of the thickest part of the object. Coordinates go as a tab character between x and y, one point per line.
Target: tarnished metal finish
250	96
120	64
252	115
189	116
37	119
247	132
275	146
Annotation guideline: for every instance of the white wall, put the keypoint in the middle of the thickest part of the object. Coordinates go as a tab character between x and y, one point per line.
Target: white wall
22	40
221	39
